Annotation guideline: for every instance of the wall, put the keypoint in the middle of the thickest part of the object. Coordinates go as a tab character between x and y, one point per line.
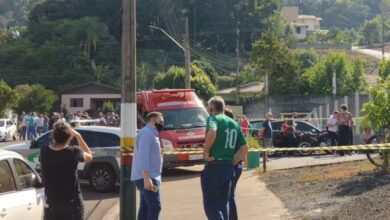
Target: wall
65	100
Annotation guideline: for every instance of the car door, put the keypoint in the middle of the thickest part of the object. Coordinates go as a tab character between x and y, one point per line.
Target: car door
109	145
11	129
10	202
90	139
31	197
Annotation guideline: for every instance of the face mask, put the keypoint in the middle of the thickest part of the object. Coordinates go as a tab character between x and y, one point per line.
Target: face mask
159	127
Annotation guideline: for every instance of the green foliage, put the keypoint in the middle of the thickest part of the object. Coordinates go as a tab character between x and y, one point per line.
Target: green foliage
338	13
174	78
253	142
377	109
35	98
306	58
349	74
226	81
272	56
8	97
144	76
372	30
384	69
108	107
207	67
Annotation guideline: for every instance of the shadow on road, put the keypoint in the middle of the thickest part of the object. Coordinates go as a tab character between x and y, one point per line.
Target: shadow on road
89	194
363	184
175	174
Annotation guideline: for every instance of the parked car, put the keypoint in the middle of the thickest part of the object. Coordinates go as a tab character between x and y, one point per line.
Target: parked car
7	130
21	189
307	135
102	172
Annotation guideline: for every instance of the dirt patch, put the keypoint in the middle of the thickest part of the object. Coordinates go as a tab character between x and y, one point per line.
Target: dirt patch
352	190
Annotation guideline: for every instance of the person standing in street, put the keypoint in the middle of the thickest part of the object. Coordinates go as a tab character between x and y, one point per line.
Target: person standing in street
59	171
345	124
147	167
23	126
332	128
267	133
223	134
31	132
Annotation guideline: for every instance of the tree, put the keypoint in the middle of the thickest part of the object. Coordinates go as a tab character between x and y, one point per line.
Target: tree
271	56
207	68
8	97
35	98
384	68
350	75
108	107
174	78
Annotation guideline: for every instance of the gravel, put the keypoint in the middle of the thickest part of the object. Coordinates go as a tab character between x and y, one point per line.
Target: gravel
361	196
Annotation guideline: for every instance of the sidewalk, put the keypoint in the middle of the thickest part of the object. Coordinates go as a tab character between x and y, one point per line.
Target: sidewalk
182	199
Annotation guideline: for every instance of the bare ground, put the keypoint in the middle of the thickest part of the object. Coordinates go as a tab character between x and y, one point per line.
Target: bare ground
352	190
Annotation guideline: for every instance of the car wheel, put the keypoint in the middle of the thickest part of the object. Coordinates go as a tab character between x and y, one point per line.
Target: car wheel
102	178
304	152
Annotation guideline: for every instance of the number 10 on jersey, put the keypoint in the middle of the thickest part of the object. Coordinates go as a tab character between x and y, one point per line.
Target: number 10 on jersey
231	138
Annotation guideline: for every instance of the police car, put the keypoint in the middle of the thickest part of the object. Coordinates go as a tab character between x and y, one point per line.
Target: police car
102	172
21	189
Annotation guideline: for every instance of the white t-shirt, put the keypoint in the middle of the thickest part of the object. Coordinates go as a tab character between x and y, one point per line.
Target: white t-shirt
332	124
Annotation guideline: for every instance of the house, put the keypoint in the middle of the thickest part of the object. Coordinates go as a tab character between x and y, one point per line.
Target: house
90	96
302	24
246	92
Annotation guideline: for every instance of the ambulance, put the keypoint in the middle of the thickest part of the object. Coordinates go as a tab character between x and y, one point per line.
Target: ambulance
184	128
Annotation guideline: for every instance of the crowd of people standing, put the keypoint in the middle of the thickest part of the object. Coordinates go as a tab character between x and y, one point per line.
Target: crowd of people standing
31	124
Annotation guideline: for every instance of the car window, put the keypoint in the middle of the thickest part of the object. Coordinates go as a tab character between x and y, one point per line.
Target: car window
44	140
7	181
89	138
108	139
301	126
2	123
276	125
24	174
9	123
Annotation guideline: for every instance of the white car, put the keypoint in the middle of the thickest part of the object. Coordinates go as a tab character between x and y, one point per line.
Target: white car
21	190
102	172
7	130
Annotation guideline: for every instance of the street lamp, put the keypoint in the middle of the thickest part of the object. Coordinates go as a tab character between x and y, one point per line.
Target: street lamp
185	48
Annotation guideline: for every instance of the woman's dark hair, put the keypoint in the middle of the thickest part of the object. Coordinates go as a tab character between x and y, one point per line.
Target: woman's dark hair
229	113
61	132
344	107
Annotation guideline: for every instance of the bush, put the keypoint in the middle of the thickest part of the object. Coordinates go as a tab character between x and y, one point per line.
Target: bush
253	142
108	107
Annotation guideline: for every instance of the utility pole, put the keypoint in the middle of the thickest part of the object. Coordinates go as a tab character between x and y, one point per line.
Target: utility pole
187	55
238	65
128	109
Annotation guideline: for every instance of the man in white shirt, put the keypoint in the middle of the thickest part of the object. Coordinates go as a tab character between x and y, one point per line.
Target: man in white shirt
332	128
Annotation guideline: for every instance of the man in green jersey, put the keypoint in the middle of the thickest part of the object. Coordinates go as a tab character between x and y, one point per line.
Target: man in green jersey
222	136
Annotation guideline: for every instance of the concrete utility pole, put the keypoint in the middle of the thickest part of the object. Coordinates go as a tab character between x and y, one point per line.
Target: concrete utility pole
238	66
187	55
128	109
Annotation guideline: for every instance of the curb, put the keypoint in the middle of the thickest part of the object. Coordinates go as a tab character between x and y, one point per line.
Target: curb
112	213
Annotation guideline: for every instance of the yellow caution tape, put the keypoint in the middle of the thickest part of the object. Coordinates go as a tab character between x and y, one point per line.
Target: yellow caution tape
386	146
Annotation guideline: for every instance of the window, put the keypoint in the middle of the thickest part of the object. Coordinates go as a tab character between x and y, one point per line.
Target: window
25	174
77	102
89	138
7	182
184	118
108	139
298	30
45	140
9	123
2	123
302	126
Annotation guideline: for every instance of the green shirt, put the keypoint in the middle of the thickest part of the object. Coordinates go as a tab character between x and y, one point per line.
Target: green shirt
228	136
